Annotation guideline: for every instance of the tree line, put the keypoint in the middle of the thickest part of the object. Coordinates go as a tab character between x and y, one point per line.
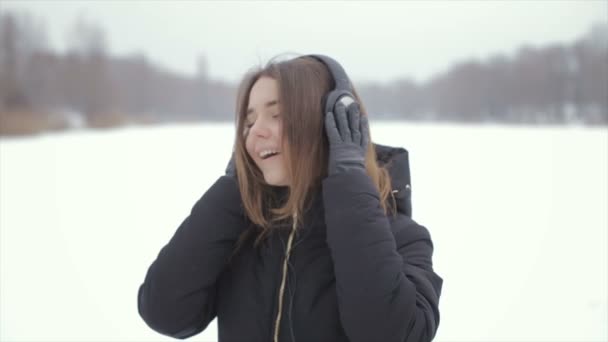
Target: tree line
42	89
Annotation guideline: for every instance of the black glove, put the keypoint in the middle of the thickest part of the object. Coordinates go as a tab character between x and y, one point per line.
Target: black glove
348	134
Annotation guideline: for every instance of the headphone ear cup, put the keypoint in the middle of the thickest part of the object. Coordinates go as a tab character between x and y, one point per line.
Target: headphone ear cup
324	104
347	100
334	96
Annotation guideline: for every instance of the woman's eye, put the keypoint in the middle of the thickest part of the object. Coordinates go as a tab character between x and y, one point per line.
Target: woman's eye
249	124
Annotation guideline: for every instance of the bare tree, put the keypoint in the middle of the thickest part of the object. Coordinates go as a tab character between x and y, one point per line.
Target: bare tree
21	37
90	88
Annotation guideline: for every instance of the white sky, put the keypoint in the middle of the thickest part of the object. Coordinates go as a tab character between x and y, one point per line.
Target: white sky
376	40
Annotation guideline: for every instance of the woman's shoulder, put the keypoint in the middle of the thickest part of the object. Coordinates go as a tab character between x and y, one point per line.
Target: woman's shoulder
222	195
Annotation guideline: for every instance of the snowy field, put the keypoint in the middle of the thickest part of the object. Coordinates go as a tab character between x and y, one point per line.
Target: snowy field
518	217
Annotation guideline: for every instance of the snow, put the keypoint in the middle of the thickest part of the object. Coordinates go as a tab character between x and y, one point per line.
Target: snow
518	217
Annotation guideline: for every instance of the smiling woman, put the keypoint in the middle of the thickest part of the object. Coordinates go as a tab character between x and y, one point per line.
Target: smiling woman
281	108
309	235
264	132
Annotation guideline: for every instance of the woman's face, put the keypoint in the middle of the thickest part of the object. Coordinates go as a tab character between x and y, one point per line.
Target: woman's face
264	129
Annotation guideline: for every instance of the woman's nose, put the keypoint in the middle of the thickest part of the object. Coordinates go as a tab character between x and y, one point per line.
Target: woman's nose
260	129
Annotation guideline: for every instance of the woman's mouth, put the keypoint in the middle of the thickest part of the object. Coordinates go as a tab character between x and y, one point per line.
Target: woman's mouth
270	156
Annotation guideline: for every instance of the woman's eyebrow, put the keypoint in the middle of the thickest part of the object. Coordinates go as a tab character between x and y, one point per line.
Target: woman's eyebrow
268	104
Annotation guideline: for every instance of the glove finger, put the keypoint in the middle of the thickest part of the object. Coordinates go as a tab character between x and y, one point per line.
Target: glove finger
342	119
354	117
364	132
330	129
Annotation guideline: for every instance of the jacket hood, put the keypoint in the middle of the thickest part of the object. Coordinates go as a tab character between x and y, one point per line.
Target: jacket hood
396	161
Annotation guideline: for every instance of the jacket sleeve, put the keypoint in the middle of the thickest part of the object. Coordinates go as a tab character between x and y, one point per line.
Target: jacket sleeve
386	287
177	297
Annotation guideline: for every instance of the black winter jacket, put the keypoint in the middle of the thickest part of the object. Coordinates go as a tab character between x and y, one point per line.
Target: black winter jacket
354	274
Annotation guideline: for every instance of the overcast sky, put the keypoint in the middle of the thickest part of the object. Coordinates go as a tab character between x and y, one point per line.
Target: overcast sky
378	41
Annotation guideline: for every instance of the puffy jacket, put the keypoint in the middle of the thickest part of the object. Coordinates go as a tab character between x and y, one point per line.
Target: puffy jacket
352	272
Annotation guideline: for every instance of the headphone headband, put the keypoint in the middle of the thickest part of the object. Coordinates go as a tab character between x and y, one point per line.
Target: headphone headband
343	90
339	75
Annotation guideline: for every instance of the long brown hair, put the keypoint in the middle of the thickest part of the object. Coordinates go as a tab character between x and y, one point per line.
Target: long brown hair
302	82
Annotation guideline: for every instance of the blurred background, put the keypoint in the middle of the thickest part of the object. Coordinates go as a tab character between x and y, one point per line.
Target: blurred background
107	64
116	116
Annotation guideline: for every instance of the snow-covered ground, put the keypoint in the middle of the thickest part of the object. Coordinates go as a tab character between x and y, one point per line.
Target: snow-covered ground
518	217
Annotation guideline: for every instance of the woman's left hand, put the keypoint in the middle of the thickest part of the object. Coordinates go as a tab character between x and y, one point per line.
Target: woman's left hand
348	134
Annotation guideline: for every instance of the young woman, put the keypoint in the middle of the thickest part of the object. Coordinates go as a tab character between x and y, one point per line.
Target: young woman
308	236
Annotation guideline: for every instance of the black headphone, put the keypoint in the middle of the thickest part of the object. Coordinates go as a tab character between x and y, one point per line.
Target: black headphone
343	90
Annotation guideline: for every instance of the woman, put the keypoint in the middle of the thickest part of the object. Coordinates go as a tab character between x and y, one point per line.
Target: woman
308	236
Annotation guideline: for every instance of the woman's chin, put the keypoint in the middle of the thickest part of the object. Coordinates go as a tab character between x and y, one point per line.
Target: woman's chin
273	181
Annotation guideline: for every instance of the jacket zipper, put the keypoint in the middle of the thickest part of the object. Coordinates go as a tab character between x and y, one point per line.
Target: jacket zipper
277	323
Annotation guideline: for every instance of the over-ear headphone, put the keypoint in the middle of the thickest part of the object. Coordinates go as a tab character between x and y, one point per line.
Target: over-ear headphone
343	90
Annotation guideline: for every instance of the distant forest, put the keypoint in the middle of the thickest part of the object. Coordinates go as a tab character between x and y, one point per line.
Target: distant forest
42	90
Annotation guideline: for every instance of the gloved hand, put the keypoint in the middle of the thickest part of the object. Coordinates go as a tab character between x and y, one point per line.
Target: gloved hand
348	134
231	167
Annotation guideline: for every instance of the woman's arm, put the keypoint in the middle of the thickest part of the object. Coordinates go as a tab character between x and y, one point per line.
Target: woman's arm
178	297
387	289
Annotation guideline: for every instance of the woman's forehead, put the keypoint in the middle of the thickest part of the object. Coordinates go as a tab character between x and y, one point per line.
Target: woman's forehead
264	93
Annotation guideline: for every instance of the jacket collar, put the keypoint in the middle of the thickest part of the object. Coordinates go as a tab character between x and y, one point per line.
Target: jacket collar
396	162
